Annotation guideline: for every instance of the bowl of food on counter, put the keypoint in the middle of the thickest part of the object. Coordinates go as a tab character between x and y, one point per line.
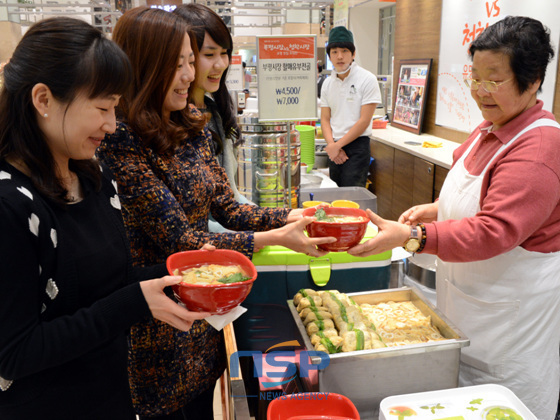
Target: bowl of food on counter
213	281
348	225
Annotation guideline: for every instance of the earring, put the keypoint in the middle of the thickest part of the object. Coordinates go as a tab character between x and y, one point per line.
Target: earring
45	115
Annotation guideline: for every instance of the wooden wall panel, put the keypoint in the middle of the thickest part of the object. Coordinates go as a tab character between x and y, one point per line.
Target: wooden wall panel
418	28
423	191
383	177
403	183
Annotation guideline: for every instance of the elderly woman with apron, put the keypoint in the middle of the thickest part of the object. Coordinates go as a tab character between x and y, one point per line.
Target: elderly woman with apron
496	225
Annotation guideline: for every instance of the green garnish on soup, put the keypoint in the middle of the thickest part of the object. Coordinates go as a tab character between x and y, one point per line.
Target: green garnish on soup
233	278
321	216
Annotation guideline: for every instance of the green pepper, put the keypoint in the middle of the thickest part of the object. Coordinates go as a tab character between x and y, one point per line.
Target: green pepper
315	310
325	341
309	298
359	340
341	306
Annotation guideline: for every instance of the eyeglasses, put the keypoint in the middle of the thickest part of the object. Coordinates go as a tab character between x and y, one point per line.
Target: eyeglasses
488	85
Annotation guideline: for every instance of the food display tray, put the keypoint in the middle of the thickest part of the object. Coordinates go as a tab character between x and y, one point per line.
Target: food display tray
369	376
467	403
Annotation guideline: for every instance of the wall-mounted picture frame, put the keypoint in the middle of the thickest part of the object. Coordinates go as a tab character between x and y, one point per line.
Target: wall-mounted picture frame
410	99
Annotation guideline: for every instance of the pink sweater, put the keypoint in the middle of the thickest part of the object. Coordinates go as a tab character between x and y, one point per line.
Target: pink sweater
520	197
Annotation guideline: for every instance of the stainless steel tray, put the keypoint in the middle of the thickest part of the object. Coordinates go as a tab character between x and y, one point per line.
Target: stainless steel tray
368	376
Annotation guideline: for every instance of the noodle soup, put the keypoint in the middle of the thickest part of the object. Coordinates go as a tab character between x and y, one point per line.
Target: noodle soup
213	274
321	216
343	219
347	225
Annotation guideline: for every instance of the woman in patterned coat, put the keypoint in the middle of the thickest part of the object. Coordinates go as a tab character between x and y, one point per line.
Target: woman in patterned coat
68	291
169	181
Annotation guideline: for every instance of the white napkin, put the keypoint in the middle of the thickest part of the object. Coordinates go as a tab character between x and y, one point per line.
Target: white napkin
220	321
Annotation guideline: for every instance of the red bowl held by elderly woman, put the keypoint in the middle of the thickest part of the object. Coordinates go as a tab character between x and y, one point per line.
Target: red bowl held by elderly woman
348	233
214	298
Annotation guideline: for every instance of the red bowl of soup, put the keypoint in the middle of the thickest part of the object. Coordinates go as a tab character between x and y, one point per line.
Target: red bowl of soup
347	225
213	281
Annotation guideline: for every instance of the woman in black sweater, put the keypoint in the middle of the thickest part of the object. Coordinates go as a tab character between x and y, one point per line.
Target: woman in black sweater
68	292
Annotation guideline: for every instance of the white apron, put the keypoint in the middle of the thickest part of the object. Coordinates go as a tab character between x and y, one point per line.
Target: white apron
508	306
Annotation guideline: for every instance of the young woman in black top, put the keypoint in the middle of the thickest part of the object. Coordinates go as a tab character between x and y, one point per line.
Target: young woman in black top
68	292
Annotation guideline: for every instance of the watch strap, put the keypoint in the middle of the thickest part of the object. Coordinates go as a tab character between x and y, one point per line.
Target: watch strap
423	239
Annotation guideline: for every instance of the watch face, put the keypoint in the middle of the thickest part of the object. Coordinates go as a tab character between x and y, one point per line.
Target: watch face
412	245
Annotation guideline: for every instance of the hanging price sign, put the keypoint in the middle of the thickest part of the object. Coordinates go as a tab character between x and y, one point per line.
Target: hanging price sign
287	78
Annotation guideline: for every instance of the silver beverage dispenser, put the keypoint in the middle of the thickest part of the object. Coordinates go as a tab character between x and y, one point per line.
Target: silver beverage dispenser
268	174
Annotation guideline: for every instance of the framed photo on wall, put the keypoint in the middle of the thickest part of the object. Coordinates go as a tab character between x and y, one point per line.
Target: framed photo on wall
410	99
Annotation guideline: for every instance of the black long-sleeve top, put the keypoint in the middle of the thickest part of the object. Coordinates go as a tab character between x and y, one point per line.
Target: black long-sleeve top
68	296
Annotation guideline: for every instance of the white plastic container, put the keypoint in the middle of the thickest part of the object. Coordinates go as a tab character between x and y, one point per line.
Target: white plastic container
467	403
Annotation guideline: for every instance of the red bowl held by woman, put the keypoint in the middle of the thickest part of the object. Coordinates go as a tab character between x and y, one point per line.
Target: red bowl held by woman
348	234
214	298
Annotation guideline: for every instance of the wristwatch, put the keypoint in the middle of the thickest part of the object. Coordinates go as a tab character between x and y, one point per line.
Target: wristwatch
413	242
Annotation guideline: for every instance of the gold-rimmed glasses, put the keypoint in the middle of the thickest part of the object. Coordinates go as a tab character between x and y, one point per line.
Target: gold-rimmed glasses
488	85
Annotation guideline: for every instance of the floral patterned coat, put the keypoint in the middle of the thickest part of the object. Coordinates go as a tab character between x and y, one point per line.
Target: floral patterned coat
165	202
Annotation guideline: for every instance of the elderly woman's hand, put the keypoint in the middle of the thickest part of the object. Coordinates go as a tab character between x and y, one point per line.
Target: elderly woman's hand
390	235
424	213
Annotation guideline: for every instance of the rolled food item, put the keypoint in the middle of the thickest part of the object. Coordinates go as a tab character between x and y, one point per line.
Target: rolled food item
306	302
319	325
316	316
304	293
328	344
360	340
306	311
344	327
333	305
329	332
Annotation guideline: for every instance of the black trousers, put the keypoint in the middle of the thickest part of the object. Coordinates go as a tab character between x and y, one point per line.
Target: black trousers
353	172
201	408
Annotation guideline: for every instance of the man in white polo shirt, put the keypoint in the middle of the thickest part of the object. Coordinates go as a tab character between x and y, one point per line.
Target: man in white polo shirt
348	100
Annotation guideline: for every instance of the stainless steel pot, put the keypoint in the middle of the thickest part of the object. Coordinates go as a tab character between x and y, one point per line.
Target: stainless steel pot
422	269
269	162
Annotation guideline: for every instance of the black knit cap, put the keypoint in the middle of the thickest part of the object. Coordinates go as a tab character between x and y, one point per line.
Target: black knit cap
340	34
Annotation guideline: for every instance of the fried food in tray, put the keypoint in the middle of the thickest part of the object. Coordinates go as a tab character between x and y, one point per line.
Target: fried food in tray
401	323
335	323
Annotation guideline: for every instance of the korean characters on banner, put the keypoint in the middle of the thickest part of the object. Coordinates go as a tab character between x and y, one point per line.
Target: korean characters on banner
461	22
235	78
287	74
